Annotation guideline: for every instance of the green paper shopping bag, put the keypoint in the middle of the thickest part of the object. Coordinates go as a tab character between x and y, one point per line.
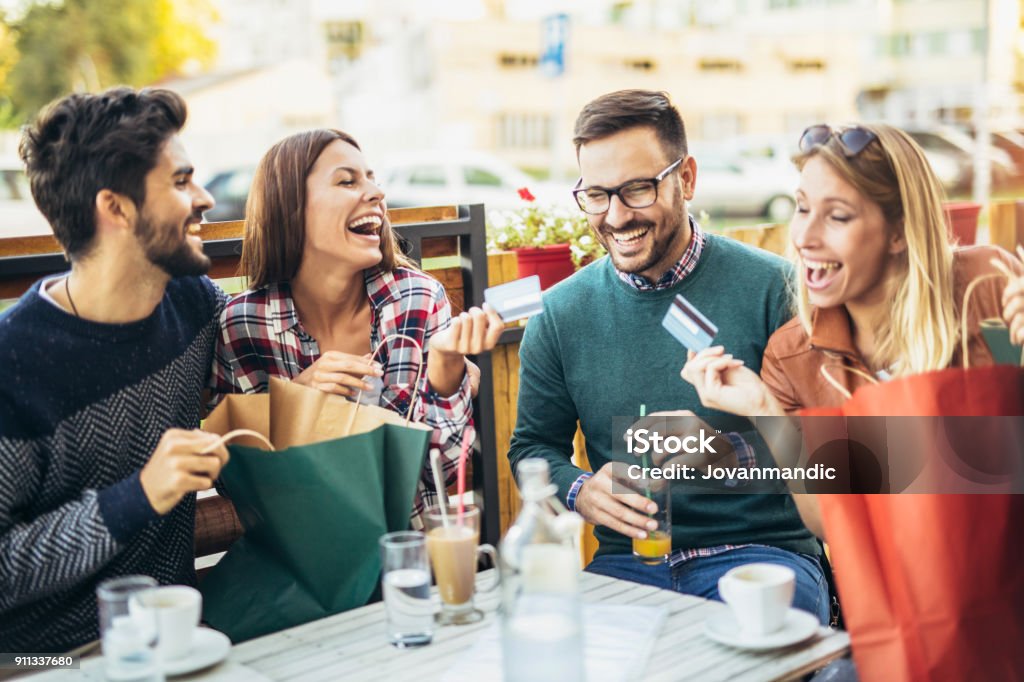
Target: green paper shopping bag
312	509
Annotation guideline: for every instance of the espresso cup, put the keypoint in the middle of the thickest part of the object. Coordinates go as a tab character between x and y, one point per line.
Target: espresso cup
759	595
176	610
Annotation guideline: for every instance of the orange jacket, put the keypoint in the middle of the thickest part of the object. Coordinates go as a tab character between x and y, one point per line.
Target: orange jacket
793	361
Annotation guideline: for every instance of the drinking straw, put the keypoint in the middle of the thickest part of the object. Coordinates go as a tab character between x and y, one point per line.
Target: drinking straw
643	457
646	465
467	441
442	492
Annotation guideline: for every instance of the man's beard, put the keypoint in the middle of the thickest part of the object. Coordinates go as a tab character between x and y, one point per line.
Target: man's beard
164	250
661	243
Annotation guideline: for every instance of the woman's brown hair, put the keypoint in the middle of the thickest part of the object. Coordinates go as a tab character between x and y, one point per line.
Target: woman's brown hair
275	212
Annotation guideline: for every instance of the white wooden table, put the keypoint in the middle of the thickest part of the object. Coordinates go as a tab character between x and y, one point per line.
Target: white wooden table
353	646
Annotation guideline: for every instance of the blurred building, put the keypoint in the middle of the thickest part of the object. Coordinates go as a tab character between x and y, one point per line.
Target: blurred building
430	81
466	73
235	116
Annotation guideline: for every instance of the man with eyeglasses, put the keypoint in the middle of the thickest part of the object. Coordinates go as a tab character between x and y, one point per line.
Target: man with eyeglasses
599	352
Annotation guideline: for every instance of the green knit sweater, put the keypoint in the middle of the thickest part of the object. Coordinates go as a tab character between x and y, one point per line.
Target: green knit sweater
599	351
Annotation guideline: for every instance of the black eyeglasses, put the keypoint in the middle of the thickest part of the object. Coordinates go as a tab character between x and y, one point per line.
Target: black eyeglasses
634	194
853	139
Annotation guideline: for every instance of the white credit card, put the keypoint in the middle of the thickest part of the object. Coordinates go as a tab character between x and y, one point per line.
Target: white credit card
516	300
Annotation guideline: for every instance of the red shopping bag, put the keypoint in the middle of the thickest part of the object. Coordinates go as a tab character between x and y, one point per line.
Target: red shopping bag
932	586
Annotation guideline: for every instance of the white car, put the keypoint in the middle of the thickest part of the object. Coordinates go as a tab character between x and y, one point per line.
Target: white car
19	216
731	186
437	178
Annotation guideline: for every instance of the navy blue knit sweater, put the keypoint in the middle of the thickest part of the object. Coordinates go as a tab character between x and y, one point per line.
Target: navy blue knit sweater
82	407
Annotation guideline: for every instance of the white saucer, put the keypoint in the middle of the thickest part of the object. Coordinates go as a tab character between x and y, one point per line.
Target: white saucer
798	626
208	648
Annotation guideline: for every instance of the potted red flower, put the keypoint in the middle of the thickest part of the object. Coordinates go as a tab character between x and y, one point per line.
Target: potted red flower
548	241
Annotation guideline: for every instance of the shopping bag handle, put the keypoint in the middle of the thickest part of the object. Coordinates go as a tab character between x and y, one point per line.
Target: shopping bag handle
415	384
834	383
967	299
238	433
964	315
1001	267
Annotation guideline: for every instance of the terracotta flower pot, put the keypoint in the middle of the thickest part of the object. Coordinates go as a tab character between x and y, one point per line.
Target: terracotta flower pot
552	263
962	220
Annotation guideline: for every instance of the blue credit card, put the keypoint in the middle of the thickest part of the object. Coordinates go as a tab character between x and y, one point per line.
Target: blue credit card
516	300
688	325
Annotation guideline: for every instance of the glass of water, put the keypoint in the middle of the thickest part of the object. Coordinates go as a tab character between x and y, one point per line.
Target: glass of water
406	585
128	630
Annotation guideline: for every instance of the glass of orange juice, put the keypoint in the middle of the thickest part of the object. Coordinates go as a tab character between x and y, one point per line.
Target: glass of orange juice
655	548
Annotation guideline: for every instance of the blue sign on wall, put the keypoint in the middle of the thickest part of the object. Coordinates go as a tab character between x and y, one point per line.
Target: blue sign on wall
555	35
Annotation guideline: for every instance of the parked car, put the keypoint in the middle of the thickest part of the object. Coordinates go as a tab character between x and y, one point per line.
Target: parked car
778	150
1012	142
416	179
230	189
18	213
729	185
959	147
428	178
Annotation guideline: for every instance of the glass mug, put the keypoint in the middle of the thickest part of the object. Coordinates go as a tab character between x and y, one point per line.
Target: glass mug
454	551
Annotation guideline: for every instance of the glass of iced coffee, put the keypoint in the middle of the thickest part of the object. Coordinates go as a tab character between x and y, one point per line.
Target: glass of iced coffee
453	543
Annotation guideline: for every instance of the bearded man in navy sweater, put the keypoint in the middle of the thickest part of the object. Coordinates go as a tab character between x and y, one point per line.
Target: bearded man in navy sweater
102	369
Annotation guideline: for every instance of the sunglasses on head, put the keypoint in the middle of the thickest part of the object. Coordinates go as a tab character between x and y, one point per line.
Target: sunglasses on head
852	140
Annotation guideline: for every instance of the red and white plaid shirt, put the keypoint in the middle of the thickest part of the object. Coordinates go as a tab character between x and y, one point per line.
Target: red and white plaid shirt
261	336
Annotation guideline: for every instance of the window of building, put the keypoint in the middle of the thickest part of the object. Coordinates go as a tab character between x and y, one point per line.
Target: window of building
344	39
721	65
979	39
639	64
797	4
524	130
807	65
894	45
518	60
937	43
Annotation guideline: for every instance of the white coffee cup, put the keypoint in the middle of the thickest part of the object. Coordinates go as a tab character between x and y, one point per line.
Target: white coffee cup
759	596
176	610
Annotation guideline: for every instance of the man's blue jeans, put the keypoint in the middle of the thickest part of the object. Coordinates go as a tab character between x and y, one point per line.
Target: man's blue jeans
699	576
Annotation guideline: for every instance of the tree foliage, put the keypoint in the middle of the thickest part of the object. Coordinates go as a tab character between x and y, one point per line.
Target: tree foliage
87	45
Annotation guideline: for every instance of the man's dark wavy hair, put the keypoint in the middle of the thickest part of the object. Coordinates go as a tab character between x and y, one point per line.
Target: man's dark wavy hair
84	143
625	109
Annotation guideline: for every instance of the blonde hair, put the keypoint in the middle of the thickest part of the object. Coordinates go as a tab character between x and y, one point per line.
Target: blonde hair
921	331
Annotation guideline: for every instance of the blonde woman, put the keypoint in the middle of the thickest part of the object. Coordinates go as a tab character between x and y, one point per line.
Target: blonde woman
878	285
